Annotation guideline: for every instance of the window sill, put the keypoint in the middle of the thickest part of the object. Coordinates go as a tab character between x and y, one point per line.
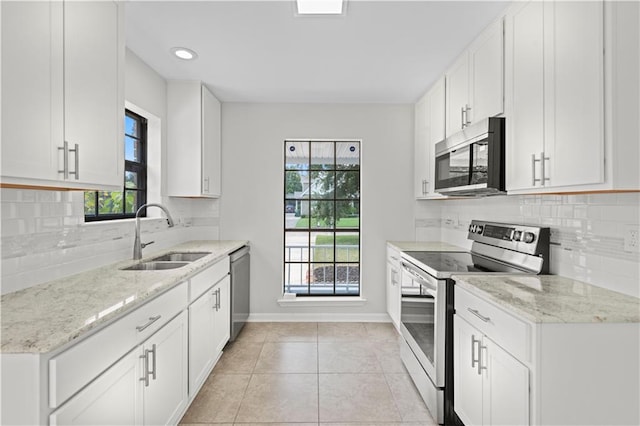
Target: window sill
322	301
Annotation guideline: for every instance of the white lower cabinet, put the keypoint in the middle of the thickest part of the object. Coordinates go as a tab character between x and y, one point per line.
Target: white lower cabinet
222	315
209	329
163	380
491	386
509	370
148	386
112	399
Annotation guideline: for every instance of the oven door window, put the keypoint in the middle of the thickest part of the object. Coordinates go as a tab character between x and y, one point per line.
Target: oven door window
417	314
479	162
452	168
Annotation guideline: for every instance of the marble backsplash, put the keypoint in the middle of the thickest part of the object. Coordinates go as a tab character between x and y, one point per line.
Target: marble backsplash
44	237
587	230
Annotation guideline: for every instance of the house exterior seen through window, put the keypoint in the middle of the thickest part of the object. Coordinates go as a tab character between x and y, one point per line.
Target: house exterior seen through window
322	218
105	205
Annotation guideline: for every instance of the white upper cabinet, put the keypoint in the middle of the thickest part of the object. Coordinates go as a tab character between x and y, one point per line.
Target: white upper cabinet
194	140
475	81
429	130
555	92
62	94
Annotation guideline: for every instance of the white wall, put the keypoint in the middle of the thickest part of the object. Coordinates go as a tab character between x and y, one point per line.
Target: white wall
587	230
43	234
252	185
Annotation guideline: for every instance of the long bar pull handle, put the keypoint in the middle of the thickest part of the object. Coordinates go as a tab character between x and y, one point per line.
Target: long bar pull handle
151	321
480	358
76	152
462	119
473	351
217	299
467	108
542	168
145	378
153	358
533	170
65	160
476	313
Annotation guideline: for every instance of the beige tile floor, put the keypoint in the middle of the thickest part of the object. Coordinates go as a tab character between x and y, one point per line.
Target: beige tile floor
310	374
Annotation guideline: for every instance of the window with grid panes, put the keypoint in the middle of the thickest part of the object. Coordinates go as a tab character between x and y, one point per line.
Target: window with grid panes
105	205
322	218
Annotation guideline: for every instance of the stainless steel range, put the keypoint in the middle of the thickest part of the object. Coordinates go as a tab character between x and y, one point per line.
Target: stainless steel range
427	300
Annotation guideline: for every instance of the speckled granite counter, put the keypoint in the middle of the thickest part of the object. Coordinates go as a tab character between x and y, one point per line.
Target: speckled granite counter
553	299
424	246
47	316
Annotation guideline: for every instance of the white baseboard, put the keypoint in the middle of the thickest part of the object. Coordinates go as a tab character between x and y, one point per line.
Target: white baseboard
318	317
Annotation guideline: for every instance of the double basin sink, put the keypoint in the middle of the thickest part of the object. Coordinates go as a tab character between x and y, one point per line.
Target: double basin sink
171	260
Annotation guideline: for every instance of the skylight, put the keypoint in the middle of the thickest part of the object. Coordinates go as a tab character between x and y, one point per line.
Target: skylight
319	7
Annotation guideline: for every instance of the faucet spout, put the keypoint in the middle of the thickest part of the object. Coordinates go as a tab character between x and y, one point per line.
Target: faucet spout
137	244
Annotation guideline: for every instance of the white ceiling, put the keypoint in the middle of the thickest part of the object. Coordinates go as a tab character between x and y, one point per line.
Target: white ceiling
260	51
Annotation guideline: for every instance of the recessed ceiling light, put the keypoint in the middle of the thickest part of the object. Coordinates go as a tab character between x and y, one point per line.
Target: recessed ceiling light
319	7
184	53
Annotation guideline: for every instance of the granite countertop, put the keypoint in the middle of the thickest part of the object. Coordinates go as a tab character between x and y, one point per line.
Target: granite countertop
424	246
45	317
553	298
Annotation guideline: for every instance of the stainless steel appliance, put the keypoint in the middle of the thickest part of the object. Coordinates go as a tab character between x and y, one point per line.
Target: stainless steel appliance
472	161
240	289
427	303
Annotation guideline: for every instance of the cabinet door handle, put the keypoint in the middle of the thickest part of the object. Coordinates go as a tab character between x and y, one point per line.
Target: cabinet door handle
462	119
217	299
206	184
480	358
476	313
151	321
76	152
473	351
153	355
542	168
145	378
65	160
467	108
533	170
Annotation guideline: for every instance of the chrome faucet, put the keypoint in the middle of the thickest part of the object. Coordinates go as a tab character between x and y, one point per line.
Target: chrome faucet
137	245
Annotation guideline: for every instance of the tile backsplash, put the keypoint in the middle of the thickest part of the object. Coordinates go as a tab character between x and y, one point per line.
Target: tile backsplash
587	230
44	236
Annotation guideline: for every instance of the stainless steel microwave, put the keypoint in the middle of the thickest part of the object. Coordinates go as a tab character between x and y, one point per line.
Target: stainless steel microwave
472	162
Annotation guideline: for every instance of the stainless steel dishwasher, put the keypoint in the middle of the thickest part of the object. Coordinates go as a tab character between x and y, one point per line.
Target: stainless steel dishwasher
240	289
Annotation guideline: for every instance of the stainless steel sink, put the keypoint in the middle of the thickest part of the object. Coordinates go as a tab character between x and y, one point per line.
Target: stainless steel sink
180	257
155	266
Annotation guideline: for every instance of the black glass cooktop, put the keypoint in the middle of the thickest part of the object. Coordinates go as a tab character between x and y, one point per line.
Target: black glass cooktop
443	264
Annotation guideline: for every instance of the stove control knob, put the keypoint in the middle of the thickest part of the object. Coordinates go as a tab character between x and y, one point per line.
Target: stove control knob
479	229
517	235
528	237
472	228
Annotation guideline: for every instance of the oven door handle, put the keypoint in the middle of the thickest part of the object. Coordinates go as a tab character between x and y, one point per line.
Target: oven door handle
422	280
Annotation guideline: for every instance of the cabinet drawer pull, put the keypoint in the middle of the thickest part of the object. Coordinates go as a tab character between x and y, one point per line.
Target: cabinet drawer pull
476	313
151	321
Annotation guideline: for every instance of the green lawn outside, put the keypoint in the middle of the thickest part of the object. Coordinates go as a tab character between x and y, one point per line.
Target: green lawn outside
326	254
345	222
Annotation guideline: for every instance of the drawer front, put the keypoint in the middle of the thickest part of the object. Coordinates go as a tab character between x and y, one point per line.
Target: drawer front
506	330
78	365
205	279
